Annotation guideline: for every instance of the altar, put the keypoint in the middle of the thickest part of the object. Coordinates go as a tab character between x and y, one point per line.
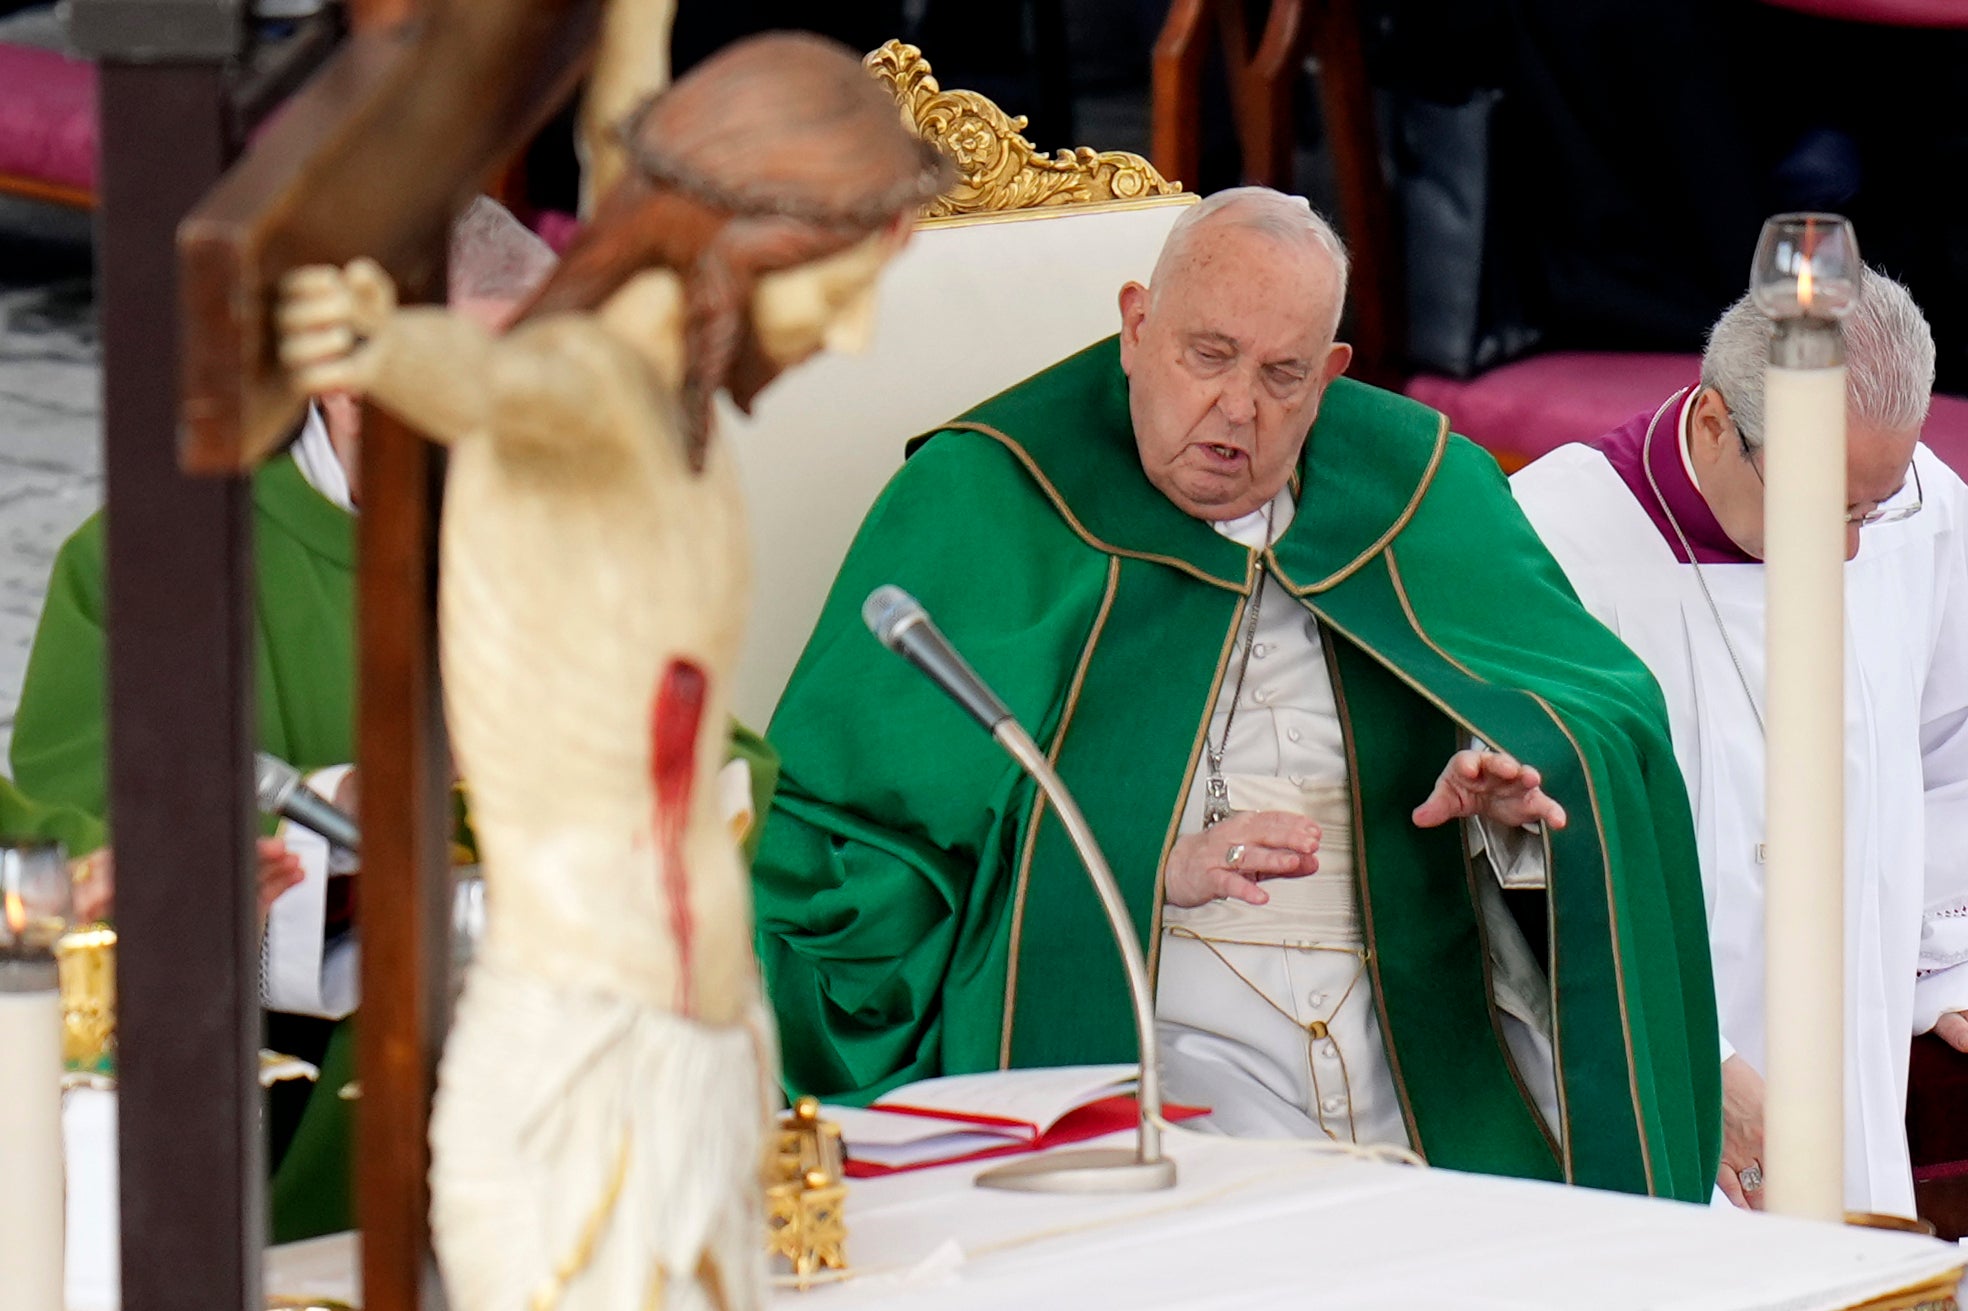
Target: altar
1252	1225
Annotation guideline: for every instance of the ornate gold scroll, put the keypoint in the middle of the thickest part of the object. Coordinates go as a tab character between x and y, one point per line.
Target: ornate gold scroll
1001	170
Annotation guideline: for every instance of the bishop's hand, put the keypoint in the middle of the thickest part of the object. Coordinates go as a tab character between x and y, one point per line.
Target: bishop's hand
1229	859
328	318
1741	1173
1952	1029
1490	785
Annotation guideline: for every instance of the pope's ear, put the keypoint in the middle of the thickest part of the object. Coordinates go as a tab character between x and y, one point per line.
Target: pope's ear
1134	312
1337	358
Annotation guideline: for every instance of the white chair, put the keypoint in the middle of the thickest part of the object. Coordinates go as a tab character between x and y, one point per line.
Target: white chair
1017	268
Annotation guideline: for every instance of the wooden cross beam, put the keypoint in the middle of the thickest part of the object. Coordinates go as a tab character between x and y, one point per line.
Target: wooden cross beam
374	157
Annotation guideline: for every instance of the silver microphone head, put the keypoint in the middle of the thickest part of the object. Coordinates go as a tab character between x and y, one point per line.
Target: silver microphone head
274	780
888	611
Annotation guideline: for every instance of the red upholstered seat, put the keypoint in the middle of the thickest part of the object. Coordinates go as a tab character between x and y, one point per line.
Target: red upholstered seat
1937	1109
1937	1133
1896	13
1522	410
47	124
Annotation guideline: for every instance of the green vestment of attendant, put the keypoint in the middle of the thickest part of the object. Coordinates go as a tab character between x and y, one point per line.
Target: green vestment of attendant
25	820
918	916
304	672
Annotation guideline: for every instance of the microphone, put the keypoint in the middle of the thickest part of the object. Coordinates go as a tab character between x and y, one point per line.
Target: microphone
282	791
900	623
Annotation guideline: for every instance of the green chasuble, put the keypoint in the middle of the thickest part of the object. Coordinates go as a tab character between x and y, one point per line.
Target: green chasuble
23	820
917	916
303	653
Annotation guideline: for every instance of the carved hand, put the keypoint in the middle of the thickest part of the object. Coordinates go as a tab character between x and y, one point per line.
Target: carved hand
328	318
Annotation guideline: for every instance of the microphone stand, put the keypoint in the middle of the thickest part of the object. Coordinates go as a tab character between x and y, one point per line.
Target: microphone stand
1143	1168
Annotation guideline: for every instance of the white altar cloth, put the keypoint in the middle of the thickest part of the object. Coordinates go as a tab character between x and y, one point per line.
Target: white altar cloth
1249	1226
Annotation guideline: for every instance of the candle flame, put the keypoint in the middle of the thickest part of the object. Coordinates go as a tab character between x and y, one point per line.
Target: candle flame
16	913
1804	282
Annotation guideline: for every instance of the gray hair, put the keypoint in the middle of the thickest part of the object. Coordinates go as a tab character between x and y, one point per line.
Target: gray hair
1290	220
494	256
1889	358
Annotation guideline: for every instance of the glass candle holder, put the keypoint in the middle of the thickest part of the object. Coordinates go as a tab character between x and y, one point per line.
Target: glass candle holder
1806	267
36	904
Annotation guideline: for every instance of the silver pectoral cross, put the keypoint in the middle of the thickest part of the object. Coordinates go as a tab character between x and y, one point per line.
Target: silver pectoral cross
1216	794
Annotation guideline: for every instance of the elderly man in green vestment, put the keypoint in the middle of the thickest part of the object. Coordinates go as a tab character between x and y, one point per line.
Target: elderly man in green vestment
1250	608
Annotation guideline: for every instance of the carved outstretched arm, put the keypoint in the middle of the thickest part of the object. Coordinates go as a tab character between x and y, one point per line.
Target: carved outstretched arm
442	373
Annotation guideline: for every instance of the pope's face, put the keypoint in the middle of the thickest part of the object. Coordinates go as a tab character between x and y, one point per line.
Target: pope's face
1226	363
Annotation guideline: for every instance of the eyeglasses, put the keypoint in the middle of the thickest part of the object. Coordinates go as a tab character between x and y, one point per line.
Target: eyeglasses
1877	515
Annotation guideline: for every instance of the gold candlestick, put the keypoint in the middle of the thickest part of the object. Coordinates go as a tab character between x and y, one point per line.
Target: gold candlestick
86	963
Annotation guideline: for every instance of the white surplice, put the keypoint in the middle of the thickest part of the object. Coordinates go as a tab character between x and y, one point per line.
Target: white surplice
1906	752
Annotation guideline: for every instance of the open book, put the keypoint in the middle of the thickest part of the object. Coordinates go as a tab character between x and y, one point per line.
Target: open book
967	1117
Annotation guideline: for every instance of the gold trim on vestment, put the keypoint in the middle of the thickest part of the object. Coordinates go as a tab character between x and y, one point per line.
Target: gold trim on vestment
1372	957
1619	963
1564	1109
1557	1039
1189	782
1072	521
1551	910
1394	530
1039	808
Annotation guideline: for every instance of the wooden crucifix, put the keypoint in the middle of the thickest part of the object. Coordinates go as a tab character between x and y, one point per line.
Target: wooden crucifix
374	158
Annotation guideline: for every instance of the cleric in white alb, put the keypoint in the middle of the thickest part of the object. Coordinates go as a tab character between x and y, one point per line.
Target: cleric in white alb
1660	528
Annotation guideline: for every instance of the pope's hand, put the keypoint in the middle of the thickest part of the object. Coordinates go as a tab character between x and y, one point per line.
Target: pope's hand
1952	1029
326	316
1492	785
94	878
1742	1132
1266	844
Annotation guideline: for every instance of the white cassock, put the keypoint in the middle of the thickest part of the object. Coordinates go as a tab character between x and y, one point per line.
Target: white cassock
1906	750
1266	1014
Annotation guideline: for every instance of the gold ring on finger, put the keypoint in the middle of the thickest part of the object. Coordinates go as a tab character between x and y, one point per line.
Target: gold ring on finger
1234	858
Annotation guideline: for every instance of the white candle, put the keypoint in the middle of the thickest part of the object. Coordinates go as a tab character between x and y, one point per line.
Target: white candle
1804	882
31	1185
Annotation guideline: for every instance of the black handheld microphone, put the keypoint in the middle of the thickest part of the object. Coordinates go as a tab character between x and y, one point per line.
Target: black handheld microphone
899	623
283	792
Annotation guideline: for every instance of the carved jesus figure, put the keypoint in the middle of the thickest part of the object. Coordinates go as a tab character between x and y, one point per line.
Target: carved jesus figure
603	1100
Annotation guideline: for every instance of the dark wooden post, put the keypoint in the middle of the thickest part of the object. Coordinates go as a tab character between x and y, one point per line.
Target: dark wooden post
181	724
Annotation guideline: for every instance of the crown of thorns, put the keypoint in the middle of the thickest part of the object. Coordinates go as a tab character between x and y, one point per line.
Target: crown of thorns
931	178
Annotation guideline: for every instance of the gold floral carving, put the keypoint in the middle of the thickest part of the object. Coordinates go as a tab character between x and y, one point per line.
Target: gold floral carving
1000	169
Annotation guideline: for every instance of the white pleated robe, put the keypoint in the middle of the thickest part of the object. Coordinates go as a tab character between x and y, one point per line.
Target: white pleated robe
1906	752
